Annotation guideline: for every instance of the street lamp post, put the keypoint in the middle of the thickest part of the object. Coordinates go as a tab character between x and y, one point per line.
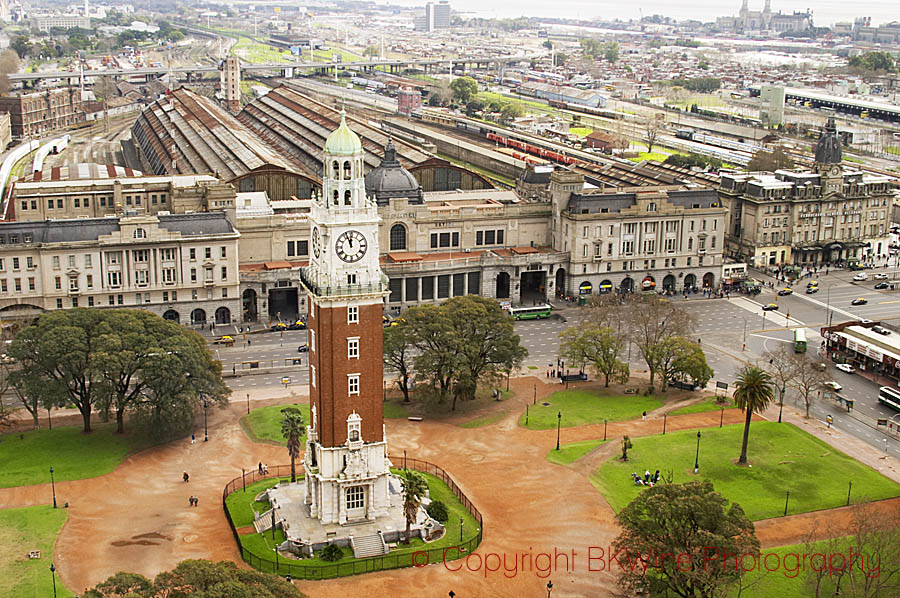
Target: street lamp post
248	403
53	486
697	457
558	422
781	404
53	577
205	423
744	346
460	530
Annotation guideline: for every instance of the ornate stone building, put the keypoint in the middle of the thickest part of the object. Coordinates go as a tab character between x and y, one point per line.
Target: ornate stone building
825	215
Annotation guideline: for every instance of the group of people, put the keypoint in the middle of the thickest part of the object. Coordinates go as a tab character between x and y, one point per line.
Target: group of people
193	500
647	480
263	468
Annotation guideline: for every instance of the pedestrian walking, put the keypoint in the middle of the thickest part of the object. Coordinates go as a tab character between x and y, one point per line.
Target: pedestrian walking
644	415
196	501
193	439
260	468
191	501
265	469
186	477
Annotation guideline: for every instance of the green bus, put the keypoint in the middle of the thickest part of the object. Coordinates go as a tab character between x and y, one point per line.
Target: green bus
533	312
800	340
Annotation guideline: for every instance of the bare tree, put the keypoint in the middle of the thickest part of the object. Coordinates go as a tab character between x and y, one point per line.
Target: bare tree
780	364
106	89
9	64
652	323
807	379
650	134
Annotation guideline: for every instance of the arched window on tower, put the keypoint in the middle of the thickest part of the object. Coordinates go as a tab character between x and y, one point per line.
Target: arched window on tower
335	170
336	196
347	197
398	237
347	170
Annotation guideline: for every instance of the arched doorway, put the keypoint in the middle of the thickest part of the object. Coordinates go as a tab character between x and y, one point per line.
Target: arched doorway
398	237
223	315
708	280
690	281
648	284
585	288
606	287
198	316
172	315
561	282
249	305
669	282
627	285
503	286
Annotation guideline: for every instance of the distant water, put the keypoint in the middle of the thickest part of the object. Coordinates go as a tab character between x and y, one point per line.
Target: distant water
825	12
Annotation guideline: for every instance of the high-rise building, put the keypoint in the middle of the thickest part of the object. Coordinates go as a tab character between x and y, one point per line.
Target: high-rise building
346	462
437	16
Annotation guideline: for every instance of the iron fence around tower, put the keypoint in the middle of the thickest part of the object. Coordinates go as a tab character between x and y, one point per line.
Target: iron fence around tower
300	570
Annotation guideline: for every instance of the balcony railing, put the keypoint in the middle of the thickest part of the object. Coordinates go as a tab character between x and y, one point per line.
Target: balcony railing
342	290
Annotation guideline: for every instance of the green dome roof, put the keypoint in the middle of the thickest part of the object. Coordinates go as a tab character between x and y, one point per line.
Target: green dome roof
343	141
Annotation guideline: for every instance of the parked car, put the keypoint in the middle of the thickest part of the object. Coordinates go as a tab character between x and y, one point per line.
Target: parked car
881	276
811	290
279	326
882	286
298	324
785	291
880	330
303	348
846	367
770	307
860	276
832	385
859	301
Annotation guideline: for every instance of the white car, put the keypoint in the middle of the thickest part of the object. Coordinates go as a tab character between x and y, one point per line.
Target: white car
881	276
861	276
833	385
846	367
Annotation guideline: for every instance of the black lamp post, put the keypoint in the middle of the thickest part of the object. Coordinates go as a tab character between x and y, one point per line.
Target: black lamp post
781	405
53	577
53	486
205	426
697	457
558	422
460	530
549	588
276	560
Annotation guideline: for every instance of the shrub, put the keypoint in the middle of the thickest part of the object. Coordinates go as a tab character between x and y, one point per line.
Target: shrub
438	511
331	553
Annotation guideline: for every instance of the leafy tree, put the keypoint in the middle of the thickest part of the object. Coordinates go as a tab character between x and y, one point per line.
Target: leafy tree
548	44
398	354
599	346
652	323
703	63
611	51
475	105
438	511
511	109
414	489
436	359
559	59
331	553
699	84
682	539
691	160
687	360
22	45
464	89
590	47
770	161
200	579
625	446
753	393
873	61
292	430
371	51
175	36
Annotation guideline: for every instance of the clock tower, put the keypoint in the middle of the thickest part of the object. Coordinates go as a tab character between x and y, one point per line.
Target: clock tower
346	462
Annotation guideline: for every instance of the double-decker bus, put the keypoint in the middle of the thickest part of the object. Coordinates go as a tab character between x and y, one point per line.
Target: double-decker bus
533	312
799	340
890	397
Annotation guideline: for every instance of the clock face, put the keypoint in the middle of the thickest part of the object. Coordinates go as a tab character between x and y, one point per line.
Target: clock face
351	246
316	241
835	171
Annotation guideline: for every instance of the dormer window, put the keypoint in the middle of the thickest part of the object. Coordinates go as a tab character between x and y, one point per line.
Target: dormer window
140	233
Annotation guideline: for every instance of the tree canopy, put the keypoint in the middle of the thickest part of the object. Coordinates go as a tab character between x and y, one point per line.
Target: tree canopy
599	346
873	61
464	89
197	579
113	361
594	48
675	538
694	160
770	161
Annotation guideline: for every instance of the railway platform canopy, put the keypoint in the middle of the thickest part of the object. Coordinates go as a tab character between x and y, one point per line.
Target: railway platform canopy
847	104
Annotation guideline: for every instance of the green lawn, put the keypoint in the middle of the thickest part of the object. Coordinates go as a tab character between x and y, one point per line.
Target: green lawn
581	407
395	411
242	506
783	458
580	131
892	149
262	544
708	404
264	424
28	456
656	156
573	451
484	420
21	531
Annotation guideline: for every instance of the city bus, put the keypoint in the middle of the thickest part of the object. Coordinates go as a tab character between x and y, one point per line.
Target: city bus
799	340
533	312
890	397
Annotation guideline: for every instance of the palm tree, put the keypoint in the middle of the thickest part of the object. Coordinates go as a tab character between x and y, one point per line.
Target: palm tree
414	488
292	428
754	392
